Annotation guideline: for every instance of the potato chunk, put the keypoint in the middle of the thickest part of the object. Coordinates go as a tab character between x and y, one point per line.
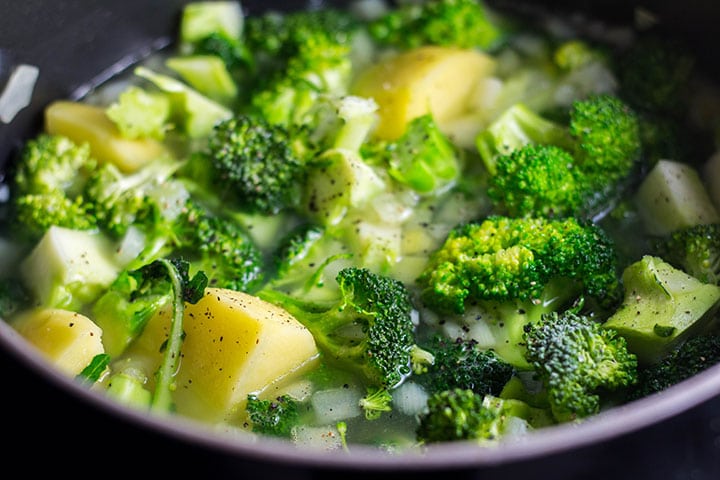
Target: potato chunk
68	339
439	80
88	123
234	344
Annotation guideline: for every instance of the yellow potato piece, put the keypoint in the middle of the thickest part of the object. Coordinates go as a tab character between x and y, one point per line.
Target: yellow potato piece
82	123
235	344
439	80
68	339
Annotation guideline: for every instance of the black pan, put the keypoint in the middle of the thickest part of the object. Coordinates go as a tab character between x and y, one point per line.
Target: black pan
51	425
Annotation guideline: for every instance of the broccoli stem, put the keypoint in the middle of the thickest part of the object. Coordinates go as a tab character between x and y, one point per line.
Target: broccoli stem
162	398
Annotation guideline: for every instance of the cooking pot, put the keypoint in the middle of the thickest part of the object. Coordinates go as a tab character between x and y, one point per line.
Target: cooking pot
49	422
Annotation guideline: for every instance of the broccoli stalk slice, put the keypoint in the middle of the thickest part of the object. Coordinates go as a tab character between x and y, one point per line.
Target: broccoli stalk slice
662	307
423	158
357	116
140	114
377	401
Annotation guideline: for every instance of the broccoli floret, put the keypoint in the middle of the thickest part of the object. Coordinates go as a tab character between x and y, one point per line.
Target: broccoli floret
283	35
607	136
574	54
462	364
459	414
654	73
148	198
48	184
538	180
275	417
310	54
256	164
692	357
231	51
516	127
140	114
695	250
572	169
368	329
577	361
423	158
504	259
208	28
302	262
456	23
220	247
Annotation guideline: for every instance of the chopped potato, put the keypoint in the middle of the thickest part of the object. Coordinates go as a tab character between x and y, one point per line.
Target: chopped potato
70	340
235	344
440	80
82	122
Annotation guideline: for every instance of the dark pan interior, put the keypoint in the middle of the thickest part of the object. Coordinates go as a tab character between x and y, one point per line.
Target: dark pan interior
53	425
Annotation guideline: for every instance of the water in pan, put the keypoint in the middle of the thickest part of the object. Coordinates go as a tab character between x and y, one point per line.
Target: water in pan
374	200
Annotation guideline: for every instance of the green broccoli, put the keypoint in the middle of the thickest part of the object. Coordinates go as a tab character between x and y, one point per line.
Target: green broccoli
302	258
576	53
516	127
690	358
504	258
607	136
375	402
368	329
592	155
459	414
47	185
275	417
255	164
148	198
695	250
140	114
577	361
654	73
462	364
310	52
124	309
208	28
423	158
220	247
503	273
456	23
538	180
